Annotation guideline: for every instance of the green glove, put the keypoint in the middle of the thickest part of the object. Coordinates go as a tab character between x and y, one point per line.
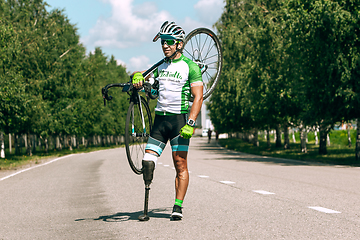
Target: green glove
187	131
138	77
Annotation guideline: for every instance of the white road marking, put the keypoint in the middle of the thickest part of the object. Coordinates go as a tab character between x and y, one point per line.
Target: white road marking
324	210
263	192
202	176
166	165
27	169
160	163
227	182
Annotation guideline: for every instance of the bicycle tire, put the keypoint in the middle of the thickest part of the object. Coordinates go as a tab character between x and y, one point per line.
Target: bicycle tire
203	47
136	140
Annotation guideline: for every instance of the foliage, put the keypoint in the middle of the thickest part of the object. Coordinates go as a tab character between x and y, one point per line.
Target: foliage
49	86
294	62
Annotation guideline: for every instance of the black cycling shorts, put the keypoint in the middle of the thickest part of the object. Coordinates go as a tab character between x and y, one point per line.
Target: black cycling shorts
167	128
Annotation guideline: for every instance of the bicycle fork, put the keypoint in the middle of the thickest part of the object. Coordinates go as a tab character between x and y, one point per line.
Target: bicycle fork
142	119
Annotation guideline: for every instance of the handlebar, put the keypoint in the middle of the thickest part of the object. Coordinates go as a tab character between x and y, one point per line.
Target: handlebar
146	86
105	90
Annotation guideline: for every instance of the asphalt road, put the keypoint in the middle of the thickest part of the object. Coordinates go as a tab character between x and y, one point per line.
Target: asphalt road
231	196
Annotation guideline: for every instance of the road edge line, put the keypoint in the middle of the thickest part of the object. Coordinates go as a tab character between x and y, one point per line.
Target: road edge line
30	168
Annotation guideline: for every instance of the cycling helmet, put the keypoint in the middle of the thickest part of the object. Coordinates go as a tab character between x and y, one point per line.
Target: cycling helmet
170	31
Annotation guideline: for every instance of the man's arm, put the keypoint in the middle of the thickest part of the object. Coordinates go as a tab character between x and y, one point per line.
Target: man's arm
197	92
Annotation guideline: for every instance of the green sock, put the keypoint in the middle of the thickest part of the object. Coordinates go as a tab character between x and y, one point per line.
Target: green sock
178	202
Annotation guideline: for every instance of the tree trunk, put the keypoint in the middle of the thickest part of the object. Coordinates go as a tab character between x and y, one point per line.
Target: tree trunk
34	140
348	133
303	138
10	144
29	144
274	136
2	142
323	138
268	138
17	144
58	143
303	141
256	138
278	136
46	145
77	142
70	144
25	141
357	149
293	136
286	136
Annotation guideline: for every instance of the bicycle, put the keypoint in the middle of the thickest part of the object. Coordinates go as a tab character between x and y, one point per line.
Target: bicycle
201	46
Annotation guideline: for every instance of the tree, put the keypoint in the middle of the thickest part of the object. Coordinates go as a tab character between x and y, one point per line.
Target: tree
324	36
12	88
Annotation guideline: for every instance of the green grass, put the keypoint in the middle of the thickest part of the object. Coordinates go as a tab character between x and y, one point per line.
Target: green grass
13	161
337	153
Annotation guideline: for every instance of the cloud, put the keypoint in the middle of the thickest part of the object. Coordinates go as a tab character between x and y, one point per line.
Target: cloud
209	11
128	25
120	62
139	63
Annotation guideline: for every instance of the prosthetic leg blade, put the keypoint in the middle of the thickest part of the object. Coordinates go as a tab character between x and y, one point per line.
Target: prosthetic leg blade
145	217
148	174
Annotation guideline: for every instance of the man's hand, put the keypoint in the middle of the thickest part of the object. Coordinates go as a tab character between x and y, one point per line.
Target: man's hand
187	131
137	80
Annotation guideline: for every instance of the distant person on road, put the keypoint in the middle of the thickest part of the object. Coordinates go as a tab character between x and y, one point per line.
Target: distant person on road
178	79
209	135
217	135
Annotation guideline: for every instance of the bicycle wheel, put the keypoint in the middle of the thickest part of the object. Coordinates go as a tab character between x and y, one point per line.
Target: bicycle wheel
203	47
137	132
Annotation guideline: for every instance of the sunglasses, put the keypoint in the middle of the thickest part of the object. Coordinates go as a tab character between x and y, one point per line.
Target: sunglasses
169	42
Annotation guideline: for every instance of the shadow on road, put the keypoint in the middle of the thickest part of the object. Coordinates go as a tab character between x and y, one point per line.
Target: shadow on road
130	216
219	153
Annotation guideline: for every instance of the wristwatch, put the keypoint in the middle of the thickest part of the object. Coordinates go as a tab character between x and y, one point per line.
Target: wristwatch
191	122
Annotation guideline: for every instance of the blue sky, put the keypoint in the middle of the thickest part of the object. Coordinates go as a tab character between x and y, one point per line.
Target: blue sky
125	28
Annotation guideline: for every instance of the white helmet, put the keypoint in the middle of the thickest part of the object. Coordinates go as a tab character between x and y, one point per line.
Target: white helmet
170	31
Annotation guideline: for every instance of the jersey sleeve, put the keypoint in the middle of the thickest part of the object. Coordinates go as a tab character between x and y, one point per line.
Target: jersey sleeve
195	77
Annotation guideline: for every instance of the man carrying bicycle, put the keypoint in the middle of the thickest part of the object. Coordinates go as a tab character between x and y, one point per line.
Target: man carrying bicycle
178	79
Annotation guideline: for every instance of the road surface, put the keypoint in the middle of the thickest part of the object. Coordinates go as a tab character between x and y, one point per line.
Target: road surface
231	196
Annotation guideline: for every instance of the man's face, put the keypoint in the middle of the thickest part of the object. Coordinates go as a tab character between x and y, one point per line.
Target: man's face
169	50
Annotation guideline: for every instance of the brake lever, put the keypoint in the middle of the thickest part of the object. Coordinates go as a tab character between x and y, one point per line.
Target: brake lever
106	96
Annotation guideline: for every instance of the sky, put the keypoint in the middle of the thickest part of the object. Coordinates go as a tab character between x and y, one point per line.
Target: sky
125	28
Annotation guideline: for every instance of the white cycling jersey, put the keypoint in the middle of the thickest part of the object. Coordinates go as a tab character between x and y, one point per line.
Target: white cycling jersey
176	78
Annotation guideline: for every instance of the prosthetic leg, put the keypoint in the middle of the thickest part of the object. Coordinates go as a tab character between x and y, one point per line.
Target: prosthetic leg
148	174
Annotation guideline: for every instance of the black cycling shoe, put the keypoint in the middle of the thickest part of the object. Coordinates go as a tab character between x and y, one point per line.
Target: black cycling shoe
176	214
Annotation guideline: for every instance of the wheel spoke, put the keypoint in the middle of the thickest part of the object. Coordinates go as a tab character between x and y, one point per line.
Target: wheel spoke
203	48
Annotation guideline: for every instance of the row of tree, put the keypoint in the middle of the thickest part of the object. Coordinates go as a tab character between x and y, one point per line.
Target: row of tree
49	86
288	63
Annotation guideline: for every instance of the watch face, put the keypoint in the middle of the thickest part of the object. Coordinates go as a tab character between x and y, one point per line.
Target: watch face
191	122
